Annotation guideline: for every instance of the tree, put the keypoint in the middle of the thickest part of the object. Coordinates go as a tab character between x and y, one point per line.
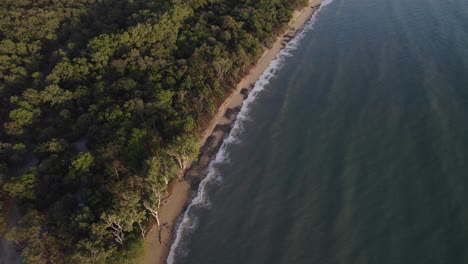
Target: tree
36	244
91	251
83	162
183	149
222	66
25	115
117	225
22	187
154	200
160	170
55	95
28	233
125	212
134	79
52	146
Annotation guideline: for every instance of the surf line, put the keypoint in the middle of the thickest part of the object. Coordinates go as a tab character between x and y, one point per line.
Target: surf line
188	222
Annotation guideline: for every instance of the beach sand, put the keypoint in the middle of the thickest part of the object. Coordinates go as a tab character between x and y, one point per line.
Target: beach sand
159	240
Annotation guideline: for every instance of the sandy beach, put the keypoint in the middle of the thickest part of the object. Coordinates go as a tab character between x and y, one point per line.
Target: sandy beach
159	242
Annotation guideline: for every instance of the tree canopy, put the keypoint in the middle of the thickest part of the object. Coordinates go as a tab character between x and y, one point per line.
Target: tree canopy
102	101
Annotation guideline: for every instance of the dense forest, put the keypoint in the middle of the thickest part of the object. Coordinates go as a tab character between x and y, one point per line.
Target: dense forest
102	104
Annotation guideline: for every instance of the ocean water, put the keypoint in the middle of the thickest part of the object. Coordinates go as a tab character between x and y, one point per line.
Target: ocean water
352	149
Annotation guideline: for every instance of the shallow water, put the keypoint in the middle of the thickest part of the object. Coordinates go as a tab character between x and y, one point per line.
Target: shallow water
356	152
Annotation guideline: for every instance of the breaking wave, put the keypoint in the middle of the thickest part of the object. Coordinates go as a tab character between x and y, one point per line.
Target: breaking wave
188	222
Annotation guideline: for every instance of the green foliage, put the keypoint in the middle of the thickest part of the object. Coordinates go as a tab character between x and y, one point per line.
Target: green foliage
132	253
102	101
22	187
83	162
37	245
183	149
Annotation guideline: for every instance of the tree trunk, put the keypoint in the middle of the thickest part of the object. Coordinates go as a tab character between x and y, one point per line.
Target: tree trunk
156	215
179	160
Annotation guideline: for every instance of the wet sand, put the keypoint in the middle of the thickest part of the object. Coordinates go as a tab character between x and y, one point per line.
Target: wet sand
159	241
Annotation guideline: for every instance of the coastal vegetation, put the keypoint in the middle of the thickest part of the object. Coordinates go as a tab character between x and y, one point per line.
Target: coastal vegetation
102	104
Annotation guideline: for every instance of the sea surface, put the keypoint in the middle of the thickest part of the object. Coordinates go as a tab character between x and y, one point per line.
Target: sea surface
354	151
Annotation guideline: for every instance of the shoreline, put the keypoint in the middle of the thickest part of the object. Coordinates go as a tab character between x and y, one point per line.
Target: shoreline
158	242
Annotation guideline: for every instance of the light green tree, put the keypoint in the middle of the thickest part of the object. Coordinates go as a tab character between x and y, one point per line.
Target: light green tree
183	149
22	187
83	162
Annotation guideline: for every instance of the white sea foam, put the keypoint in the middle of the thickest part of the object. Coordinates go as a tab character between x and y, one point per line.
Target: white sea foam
188	222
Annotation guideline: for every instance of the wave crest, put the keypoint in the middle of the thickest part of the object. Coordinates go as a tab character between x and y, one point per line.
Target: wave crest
188	222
